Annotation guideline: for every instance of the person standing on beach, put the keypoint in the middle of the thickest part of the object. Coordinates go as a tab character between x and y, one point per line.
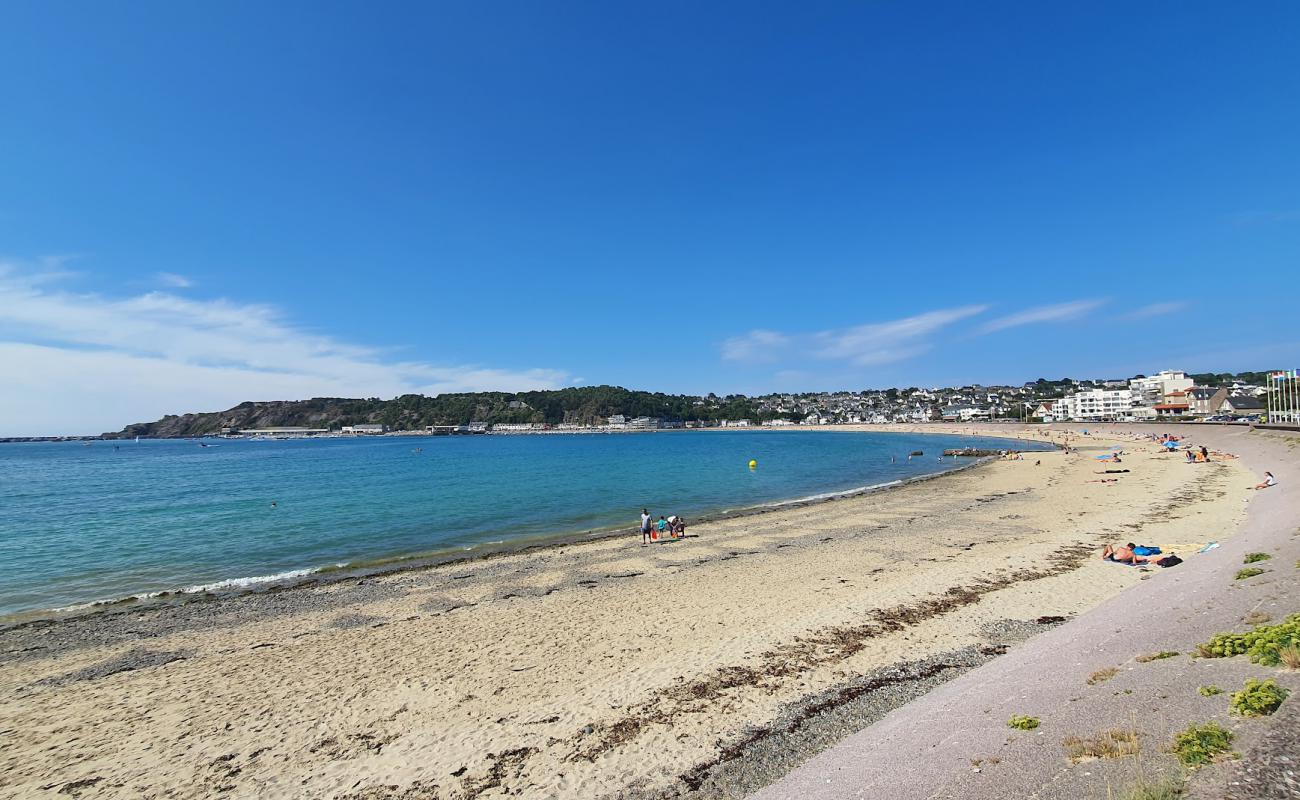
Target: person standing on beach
645	526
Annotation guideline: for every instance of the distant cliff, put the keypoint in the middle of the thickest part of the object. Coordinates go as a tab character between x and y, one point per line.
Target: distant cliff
580	405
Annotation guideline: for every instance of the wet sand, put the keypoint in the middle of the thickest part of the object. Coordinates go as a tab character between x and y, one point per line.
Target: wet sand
603	669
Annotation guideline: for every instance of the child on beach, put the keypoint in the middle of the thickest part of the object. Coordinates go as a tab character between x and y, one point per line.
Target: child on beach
645	526
1268	481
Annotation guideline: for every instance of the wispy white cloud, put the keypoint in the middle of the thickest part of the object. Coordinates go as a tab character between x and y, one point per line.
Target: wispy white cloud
1060	312
757	346
885	342
173	280
863	345
1156	310
78	363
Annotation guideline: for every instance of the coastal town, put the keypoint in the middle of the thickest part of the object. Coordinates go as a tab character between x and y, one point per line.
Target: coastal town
1169	395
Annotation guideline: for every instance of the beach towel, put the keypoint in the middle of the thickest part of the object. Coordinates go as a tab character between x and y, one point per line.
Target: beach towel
1146	550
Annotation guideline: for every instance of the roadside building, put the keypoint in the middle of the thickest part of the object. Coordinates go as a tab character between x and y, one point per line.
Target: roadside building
1241	404
1151	391
1094	405
364	430
1202	401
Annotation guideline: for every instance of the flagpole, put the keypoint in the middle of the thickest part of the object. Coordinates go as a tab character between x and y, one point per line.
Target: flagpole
1268	400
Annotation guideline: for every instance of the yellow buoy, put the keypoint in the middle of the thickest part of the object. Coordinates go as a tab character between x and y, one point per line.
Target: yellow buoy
752	463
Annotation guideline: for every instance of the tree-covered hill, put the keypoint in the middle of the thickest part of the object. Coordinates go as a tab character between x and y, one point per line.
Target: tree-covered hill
581	405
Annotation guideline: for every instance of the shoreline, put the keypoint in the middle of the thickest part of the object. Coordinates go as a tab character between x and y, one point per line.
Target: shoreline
1092	675
306	577
602	670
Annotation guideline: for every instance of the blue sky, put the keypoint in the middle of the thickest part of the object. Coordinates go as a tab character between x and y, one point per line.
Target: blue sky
202	204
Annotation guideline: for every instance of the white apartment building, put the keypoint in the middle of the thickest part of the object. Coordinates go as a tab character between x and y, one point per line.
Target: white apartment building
1094	404
1151	391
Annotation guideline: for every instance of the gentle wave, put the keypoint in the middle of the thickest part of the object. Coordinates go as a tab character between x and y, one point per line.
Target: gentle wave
242	583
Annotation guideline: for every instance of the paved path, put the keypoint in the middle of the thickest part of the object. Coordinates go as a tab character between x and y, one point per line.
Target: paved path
954	742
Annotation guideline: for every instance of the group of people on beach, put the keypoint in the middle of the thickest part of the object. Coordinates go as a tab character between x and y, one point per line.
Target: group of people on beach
653	530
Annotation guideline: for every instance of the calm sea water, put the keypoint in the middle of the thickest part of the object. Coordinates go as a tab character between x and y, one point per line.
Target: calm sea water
80	524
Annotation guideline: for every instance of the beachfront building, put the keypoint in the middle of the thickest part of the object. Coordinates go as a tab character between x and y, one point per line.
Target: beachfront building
734	423
364	430
645	423
964	413
1152	391
1240	404
1094	404
284	433
1174	404
1202	401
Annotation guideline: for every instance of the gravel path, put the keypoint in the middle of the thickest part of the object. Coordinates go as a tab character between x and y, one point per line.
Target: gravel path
955	742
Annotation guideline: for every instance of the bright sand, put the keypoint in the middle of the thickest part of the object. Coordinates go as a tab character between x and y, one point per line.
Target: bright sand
591	670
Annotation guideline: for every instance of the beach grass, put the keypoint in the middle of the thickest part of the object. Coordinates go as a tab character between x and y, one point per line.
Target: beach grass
1156	656
1113	743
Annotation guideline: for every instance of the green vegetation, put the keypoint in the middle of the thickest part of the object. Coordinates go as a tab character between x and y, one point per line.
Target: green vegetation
1209	691
1102	675
1115	743
1199	744
1263	645
580	405
1248	572
1022	723
1258	698
1251	558
1156	656
1226	378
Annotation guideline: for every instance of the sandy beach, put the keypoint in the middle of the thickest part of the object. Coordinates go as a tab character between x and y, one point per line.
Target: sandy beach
602	669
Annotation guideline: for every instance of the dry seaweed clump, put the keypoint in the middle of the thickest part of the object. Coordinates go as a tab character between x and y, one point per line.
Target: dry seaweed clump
1201	744
1251	558
1209	691
1262	645
1258	698
1248	572
1102	675
1022	723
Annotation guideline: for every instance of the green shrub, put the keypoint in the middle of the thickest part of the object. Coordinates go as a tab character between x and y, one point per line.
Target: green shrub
1248	572
1251	558
1199	744
1023	723
1258	698
1209	691
1262	645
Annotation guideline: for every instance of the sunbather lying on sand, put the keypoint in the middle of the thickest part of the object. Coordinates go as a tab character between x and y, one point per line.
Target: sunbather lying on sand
1123	555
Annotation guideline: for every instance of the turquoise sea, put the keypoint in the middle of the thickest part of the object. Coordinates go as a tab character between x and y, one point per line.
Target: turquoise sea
114	519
